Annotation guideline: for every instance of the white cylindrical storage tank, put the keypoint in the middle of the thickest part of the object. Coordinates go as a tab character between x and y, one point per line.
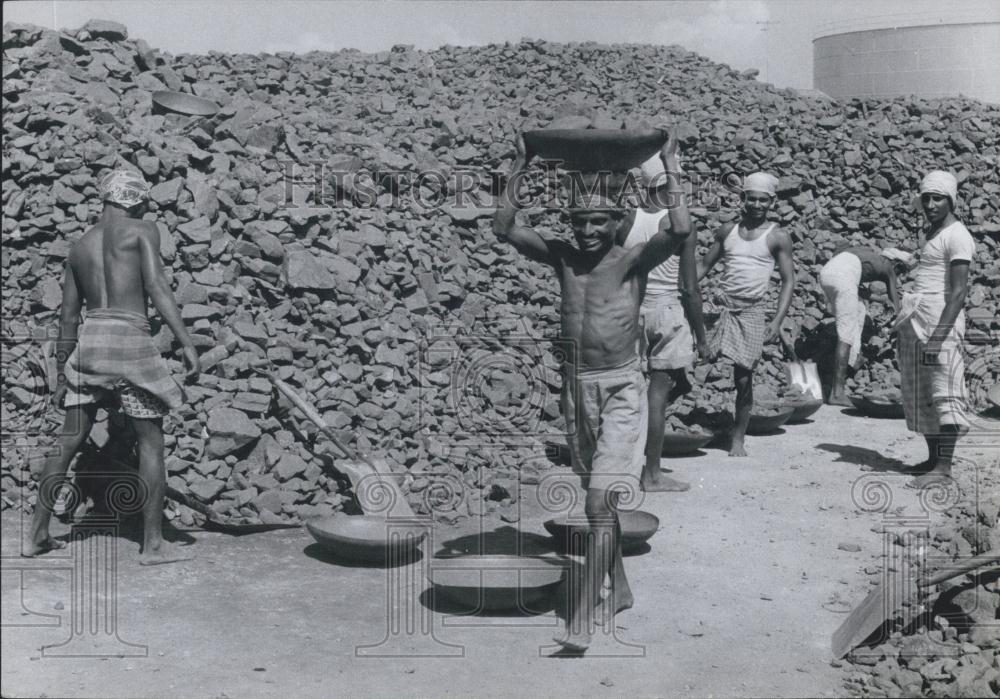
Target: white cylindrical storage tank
931	60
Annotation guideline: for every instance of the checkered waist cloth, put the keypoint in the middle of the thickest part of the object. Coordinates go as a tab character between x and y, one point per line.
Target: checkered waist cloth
739	332
114	345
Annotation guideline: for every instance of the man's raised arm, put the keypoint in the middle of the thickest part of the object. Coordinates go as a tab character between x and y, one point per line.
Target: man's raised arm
525	240
676	225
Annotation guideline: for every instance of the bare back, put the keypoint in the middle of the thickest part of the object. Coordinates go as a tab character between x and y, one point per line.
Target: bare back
600	308
107	265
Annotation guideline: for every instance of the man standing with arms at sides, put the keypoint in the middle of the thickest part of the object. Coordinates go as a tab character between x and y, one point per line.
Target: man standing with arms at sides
671	309
749	248
931	327
112	270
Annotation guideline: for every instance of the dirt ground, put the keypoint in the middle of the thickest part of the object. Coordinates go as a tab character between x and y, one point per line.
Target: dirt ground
737	595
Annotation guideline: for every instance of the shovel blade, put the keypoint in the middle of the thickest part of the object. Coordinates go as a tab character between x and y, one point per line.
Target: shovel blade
879	606
376	488
805	376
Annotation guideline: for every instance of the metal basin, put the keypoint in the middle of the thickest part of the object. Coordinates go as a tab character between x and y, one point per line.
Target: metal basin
680	443
496	582
803	409
183	103
595	149
763	424
891	410
637	527
365	538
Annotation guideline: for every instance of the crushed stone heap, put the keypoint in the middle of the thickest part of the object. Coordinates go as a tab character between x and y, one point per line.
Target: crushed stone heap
386	301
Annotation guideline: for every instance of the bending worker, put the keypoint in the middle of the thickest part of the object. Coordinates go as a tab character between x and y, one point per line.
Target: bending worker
840	278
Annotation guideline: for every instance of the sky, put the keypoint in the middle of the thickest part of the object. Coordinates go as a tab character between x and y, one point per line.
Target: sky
774	36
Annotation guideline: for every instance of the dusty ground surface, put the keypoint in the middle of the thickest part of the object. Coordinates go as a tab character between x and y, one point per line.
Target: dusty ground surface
737	595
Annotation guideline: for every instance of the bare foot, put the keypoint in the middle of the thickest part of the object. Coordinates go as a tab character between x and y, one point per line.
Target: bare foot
574	642
932	477
737	449
840	399
164	553
47	544
622	602
664	484
919	469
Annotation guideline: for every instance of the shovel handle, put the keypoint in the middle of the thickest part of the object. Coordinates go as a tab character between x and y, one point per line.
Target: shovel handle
310	412
788	343
959	567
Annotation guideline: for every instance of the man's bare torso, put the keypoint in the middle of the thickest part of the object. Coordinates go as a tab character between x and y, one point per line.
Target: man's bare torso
106	264
600	308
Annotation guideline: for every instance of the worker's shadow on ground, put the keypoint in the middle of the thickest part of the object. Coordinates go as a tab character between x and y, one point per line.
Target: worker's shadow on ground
868	459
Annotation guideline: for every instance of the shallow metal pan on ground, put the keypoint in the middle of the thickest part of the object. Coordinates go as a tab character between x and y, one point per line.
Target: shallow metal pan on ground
802	408
496	582
680	443
763	424
890	410
637	527
367	538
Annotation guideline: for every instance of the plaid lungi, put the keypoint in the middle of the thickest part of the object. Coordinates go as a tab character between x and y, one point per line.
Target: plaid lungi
739	333
114	348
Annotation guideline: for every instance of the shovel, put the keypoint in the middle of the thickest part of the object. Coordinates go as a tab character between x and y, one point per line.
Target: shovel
882	602
360	469
801	374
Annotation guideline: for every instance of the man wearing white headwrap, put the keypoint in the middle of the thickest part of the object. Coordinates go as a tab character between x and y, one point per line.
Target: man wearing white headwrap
113	270
840	279
931	328
749	249
670	311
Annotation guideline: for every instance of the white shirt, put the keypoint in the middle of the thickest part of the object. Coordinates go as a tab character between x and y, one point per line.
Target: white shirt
749	263
925	304
664	279
950	244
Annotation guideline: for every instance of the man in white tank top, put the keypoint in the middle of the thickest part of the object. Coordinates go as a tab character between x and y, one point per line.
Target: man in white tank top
670	310
749	249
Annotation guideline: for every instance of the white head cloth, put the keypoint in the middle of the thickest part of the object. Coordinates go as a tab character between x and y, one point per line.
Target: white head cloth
941	182
124	188
761	182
